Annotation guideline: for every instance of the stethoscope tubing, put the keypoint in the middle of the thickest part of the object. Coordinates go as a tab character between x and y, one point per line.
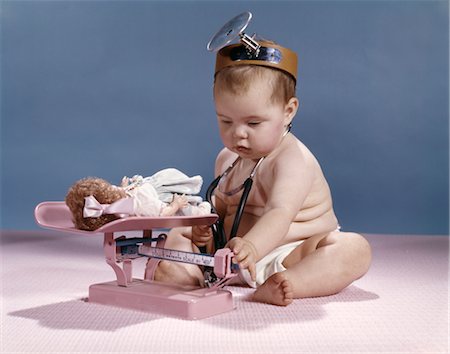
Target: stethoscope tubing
218	227
240	210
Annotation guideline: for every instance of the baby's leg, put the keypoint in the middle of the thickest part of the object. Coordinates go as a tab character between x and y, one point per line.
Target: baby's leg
179	273
320	266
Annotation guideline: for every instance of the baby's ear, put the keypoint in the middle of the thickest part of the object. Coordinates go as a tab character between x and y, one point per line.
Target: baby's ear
290	109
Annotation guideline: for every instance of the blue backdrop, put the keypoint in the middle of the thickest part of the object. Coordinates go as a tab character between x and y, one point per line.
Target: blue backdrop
113	88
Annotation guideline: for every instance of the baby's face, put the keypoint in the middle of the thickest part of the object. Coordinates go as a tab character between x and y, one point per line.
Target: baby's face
250	124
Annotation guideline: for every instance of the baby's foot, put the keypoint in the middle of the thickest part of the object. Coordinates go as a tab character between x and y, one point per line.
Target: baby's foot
277	290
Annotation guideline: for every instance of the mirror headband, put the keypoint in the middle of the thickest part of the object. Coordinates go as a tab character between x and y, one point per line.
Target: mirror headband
270	55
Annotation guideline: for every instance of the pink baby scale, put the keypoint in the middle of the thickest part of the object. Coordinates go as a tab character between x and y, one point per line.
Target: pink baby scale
143	294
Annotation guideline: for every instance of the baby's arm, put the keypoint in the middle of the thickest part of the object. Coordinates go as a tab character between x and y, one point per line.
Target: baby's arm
202	234
287	188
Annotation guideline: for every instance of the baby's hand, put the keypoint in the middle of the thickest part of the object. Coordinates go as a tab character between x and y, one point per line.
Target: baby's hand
201	235
244	254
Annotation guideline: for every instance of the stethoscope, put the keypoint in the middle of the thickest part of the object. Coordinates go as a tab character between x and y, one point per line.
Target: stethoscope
218	230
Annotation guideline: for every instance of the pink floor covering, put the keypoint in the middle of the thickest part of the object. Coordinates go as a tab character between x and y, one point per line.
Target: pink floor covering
400	306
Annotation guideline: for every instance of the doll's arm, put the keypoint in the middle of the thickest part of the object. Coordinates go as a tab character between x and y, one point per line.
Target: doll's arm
178	202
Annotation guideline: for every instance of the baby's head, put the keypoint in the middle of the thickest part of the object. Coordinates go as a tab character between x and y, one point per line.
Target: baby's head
103	191
255	106
238	67
238	79
255	99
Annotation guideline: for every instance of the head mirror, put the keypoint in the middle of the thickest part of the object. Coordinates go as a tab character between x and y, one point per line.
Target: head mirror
248	51
232	30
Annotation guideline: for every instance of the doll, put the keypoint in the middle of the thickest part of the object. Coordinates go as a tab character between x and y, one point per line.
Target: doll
95	202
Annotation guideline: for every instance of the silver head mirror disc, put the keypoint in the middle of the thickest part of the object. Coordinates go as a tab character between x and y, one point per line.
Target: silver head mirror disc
229	32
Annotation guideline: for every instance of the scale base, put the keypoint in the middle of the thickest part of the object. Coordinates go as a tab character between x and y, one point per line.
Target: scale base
174	300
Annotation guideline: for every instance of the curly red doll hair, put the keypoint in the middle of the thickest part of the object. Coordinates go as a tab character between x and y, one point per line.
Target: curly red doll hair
102	190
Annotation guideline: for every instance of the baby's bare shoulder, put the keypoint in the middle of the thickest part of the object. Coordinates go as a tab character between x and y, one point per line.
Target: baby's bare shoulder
294	154
294	166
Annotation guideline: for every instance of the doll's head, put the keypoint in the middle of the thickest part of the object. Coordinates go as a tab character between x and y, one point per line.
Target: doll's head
103	191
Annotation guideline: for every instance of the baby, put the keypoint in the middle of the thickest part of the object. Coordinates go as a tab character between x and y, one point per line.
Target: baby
288	243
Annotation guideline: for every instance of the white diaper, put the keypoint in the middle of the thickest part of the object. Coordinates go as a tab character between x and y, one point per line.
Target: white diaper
269	265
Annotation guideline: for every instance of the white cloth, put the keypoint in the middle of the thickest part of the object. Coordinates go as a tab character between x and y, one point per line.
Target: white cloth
151	194
170	181
269	265
146	201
